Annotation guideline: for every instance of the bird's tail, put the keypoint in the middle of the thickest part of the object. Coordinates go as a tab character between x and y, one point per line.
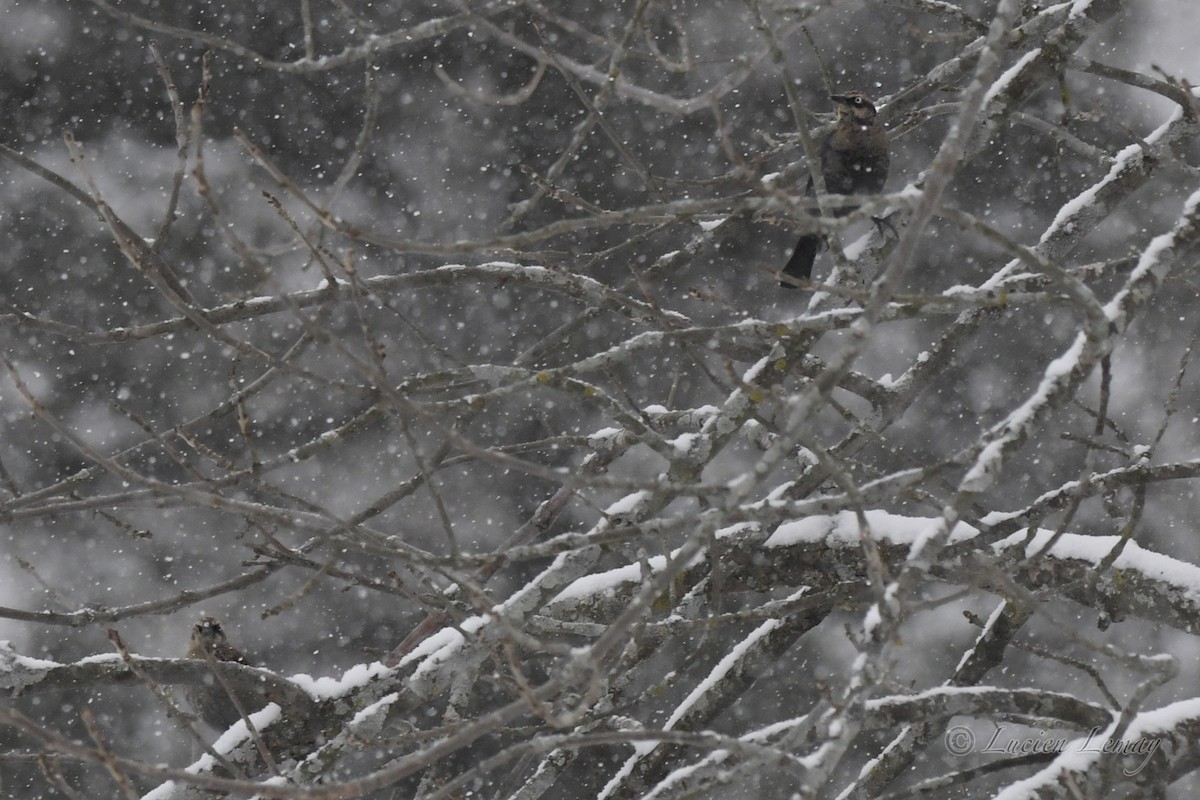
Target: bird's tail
800	265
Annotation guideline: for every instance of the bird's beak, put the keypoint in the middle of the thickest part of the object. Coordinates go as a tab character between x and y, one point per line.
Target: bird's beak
839	98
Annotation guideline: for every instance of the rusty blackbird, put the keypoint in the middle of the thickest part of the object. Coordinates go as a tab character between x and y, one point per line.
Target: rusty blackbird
854	160
211	701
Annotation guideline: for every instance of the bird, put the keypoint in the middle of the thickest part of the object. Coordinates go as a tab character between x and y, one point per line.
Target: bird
210	700
854	160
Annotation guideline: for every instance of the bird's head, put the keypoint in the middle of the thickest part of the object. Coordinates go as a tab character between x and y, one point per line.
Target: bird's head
855	106
207	631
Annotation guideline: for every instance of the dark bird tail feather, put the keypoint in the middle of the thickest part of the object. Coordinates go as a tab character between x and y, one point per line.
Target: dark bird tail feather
800	265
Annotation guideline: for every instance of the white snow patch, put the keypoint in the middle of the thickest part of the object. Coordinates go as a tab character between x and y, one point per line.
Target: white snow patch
325	688
163	791
446	637
735	529
603	583
1150	255
1161	130
619	777
722	667
1009	74
1165	720
371	710
986	465
12	659
751	374
604	436
682	773
1149	259
1077	755
891	596
1124	159
1080	7
842	528
627	504
1094	549
238	732
686	444
989	461
728	662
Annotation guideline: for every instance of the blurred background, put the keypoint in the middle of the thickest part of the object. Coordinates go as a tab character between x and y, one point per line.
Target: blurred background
443	162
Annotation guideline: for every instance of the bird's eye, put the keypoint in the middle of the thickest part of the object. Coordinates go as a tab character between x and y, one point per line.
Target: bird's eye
858	101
